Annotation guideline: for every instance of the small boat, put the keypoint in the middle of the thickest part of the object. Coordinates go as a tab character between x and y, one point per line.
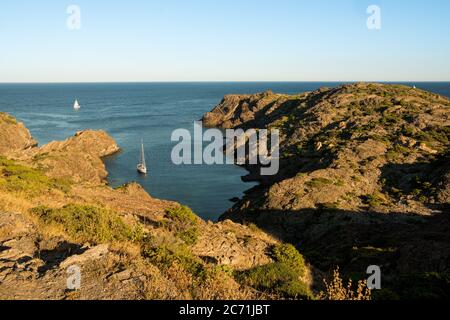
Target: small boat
76	105
142	167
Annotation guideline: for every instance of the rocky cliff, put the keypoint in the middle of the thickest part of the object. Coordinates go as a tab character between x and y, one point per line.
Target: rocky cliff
13	135
364	178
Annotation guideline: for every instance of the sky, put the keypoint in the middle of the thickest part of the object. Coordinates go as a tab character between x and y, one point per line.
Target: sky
224	40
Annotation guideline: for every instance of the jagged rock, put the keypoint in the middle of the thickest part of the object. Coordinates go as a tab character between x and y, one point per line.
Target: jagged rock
427	149
85	151
378	172
241	110
231	244
90	255
18	248
121	276
408	142
319	146
443	195
14	136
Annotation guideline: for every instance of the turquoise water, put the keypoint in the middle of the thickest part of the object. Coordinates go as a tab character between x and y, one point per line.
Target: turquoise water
129	112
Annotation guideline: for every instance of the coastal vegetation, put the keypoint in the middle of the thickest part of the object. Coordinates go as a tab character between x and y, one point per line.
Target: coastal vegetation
15	177
7	118
284	277
336	290
85	223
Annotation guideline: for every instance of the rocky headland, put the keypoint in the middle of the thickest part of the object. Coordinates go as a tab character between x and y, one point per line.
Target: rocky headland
364	180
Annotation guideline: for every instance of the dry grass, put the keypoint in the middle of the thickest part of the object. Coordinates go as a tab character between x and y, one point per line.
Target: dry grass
14	203
222	286
336	290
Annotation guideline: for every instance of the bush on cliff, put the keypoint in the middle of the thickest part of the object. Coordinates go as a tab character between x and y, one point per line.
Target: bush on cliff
16	177
282	277
7	118
184	223
182	214
164	256
89	223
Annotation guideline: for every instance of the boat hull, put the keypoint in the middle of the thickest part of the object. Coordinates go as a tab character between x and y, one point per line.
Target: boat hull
141	169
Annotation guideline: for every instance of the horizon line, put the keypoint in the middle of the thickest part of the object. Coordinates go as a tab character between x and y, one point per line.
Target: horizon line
224	81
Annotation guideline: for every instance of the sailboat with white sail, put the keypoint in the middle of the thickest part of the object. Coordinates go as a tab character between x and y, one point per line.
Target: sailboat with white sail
142	166
76	105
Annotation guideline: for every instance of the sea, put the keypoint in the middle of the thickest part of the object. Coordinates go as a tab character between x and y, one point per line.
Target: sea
130	112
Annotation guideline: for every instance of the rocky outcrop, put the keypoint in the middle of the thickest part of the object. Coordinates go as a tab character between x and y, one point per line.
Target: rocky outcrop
18	238
234	245
362	166
78	158
90	255
13	135
250	111
348	140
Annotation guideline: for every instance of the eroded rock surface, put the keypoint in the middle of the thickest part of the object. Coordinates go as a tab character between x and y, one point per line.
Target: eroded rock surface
363	175
13	135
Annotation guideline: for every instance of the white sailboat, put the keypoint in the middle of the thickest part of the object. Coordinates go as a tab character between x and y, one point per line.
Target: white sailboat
76	105
142	167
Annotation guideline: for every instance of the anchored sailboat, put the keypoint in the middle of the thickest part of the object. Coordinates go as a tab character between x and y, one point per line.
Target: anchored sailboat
76	105
142	167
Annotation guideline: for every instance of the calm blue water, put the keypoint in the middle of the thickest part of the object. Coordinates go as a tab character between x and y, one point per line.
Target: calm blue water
150	111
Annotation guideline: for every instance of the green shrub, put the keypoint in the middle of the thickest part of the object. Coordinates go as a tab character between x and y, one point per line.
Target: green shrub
182	214
374	200
89	223
397	152
282	277
15	177
434	135
164	256
189	236
408	130
7	118
390	120
277	278
319	182
288	254
340	183
222	268
184	223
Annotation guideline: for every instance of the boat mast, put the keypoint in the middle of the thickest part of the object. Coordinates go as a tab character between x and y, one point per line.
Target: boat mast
142	154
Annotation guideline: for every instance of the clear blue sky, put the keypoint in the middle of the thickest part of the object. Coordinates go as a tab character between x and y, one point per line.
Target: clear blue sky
224	40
